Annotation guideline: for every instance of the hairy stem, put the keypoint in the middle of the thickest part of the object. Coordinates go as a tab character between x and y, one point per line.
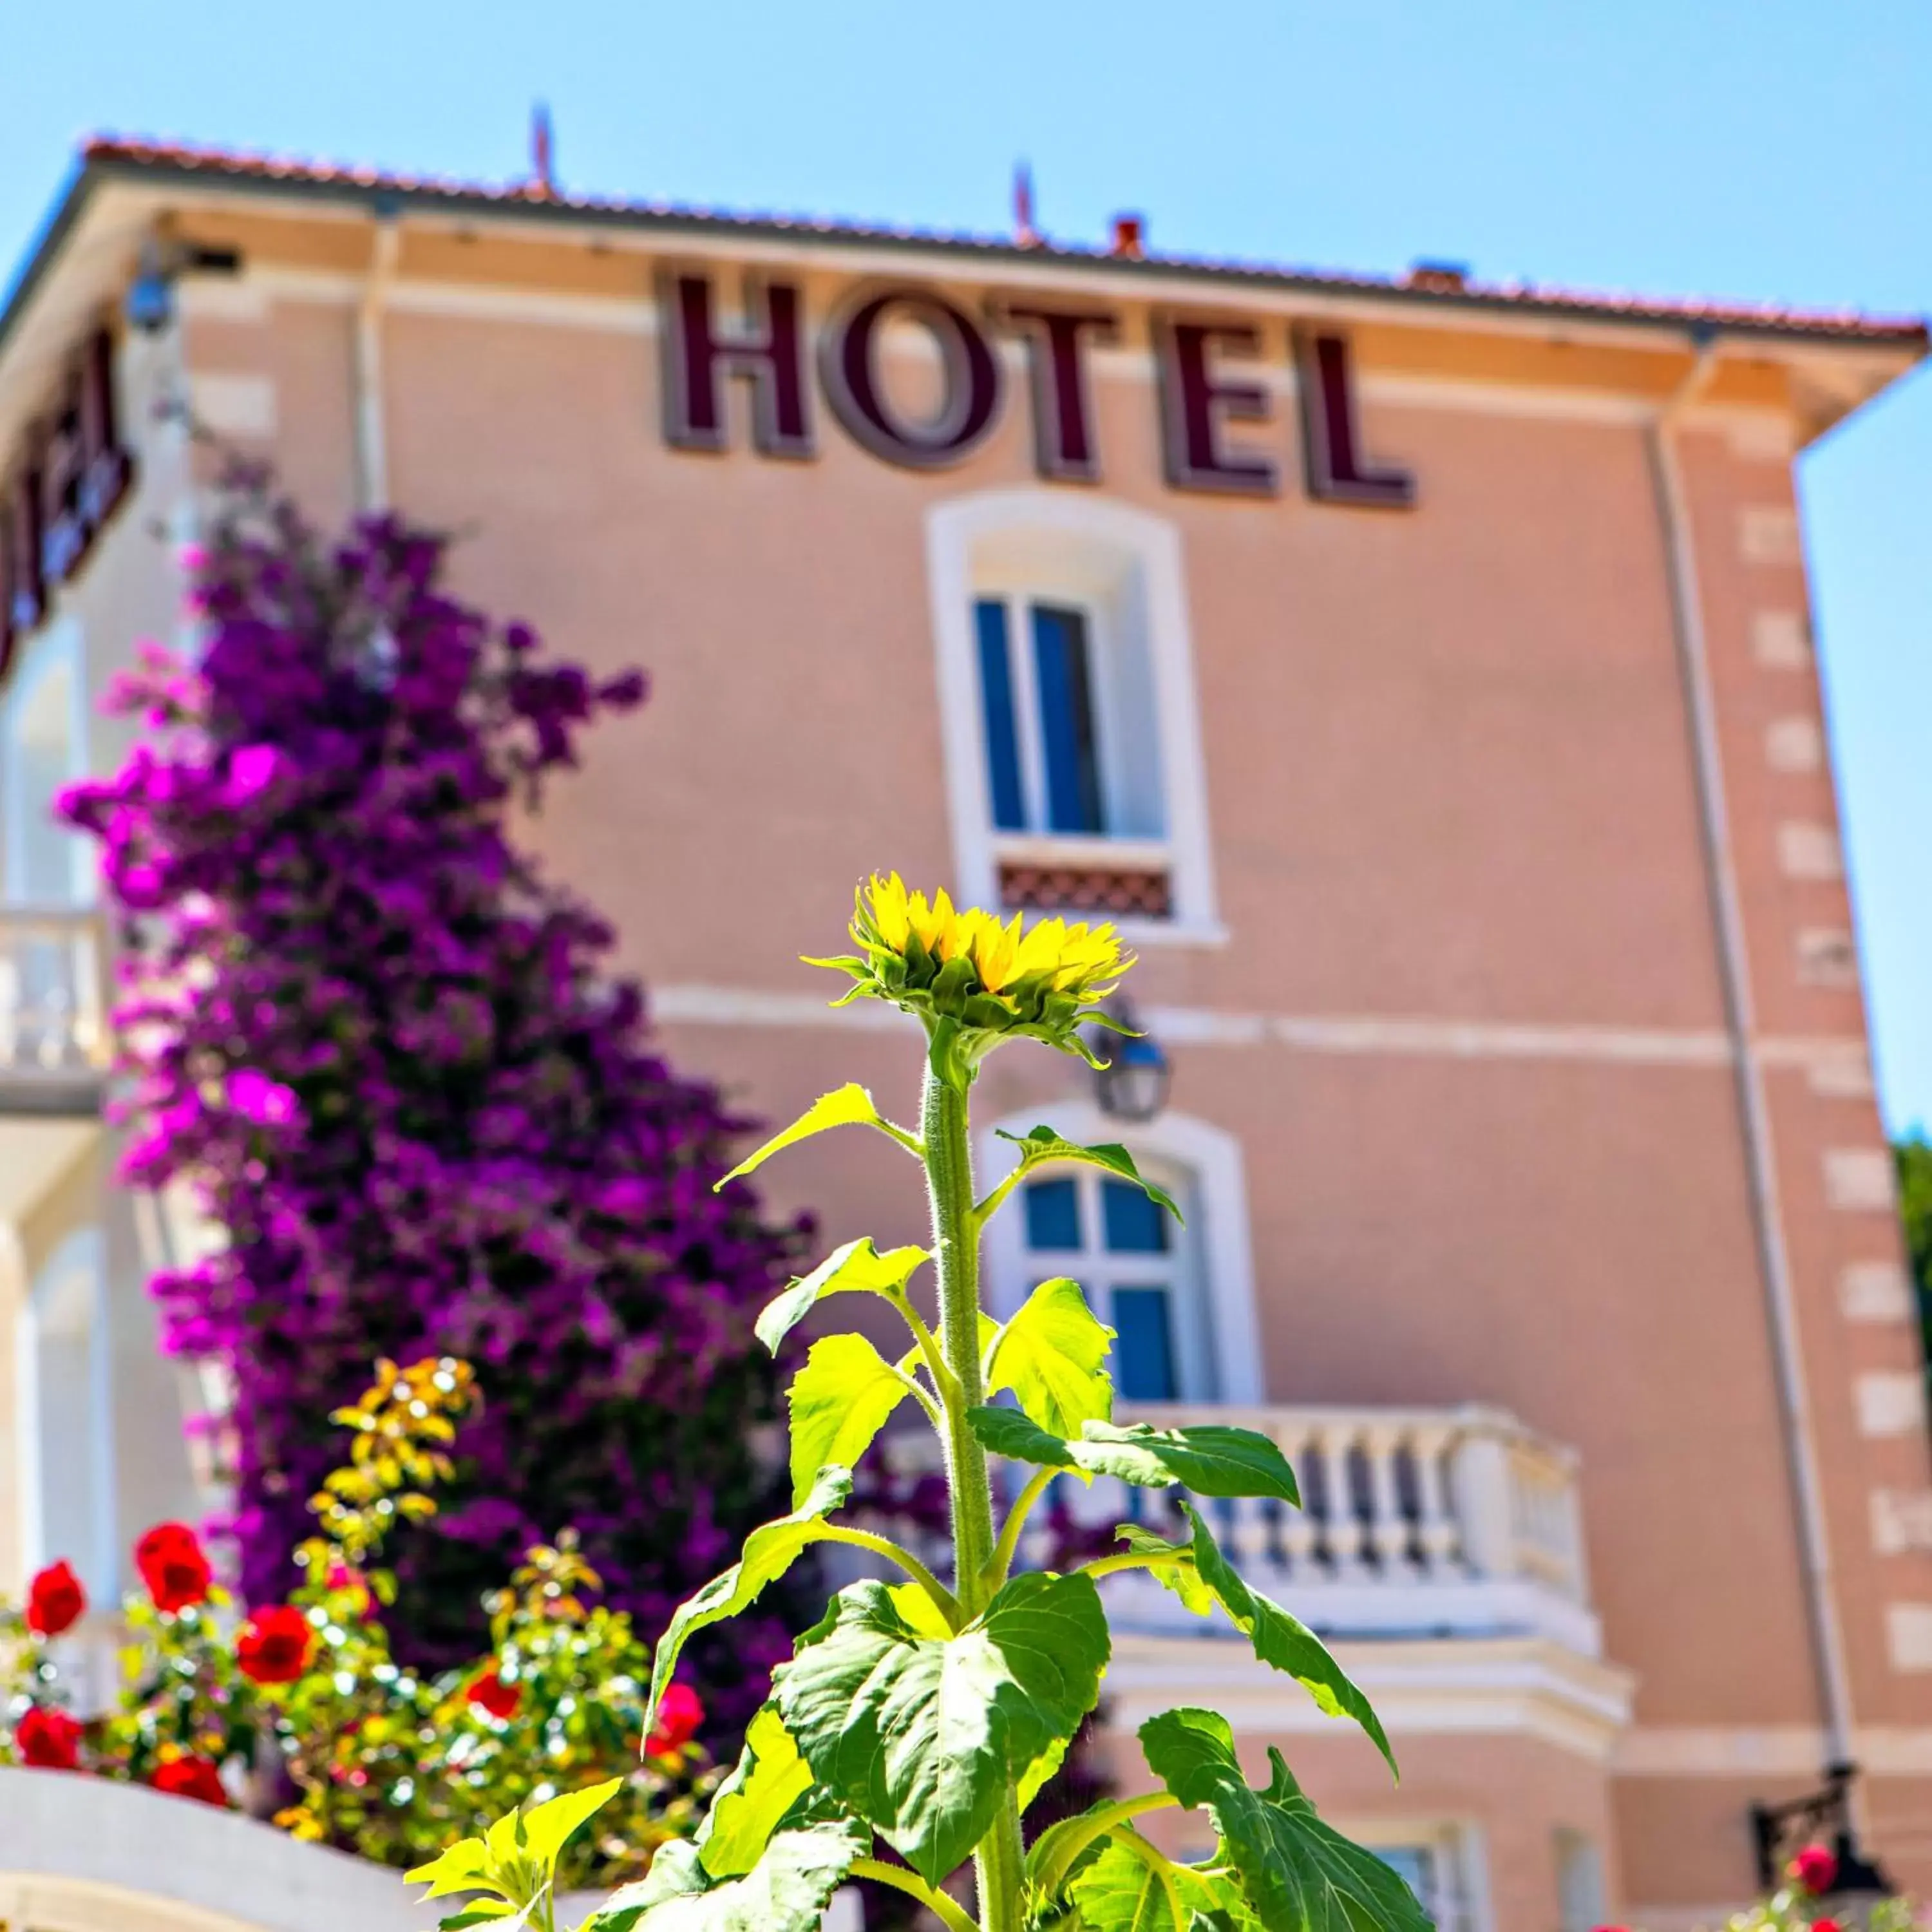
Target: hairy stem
946	1910
947	1603
944	1129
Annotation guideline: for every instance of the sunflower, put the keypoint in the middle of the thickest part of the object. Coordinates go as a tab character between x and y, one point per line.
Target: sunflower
980	980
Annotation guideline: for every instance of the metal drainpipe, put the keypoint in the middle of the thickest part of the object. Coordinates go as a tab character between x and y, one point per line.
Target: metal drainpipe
372	463
1734	970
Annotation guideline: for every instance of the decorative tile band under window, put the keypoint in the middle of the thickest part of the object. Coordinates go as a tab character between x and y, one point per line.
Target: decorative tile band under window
1113	892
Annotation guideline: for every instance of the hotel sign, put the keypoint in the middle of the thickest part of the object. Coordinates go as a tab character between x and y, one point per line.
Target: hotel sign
1212	406
65	478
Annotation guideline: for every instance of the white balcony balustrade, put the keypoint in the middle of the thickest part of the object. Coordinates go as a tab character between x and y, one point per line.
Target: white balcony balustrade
53	1031
1414	1523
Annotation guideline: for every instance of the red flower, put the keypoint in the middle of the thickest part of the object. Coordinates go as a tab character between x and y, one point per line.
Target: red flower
190	1775
680	1711
1825	1925
493	1695
171	1564
1813	1870
55	1601
47	1739
274	1645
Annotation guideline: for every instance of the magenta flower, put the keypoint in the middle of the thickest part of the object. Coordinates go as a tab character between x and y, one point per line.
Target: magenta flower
388	1055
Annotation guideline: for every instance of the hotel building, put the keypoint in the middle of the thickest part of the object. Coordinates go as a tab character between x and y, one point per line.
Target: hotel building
1419	671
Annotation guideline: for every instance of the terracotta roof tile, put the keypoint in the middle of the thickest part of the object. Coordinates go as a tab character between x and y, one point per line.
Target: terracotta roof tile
1430	283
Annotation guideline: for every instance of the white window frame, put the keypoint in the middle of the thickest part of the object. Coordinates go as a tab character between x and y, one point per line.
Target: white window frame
1223	1270
55	647
1176	1270
1087	551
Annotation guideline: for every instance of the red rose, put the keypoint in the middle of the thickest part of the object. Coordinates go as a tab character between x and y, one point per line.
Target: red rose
680	1711
273	1647
48	1739
55	1601
1825	1925
1814	1869
493	1695
171	1564
189	1775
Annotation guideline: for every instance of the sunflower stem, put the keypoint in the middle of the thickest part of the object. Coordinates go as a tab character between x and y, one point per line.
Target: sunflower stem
945	1129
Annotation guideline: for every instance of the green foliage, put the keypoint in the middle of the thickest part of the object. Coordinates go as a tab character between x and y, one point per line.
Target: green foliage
924	1736
770	1779
847	1106
1050	1355
513	1864
923	1718
788	1890
1293	1870
1198	1574
842	1397
1041	1146
1211	1459
1131	1887
857	1268
770	1550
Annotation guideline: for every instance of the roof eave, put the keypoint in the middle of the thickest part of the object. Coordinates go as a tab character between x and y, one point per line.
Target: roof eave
382	195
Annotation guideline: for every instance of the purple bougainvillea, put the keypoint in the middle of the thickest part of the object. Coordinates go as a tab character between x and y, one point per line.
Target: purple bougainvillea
387	1055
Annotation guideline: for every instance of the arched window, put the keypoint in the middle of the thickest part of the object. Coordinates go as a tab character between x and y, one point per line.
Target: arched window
1066	690
1179	1298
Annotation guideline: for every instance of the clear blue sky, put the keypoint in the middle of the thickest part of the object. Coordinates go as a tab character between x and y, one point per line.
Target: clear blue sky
1779	149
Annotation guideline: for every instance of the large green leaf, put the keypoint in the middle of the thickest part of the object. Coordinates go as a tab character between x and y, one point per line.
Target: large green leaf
1210	1459
1131	1887
786	1891
769	1551
857	1268
1050	1355
1042	1144
919	1735
1281	1640
840	1400
1297	1874
547	1827
847	1106
770	1780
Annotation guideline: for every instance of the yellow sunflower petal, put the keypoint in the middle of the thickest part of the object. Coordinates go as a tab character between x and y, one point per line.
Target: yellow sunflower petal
888	897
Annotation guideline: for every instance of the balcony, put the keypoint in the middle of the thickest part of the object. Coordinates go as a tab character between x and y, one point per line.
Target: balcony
1415	1523
53	1032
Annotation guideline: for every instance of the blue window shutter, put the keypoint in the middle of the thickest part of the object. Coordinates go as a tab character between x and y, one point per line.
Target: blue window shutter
1135	1225
996	707
1144	1352
1052	1216
1065	682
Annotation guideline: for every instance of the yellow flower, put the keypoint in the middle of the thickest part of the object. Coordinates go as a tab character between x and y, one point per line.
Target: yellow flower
978	978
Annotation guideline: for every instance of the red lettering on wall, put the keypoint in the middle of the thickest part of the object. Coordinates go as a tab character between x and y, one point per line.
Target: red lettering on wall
1065	445
1196	404
768	350
971	386
1338	472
